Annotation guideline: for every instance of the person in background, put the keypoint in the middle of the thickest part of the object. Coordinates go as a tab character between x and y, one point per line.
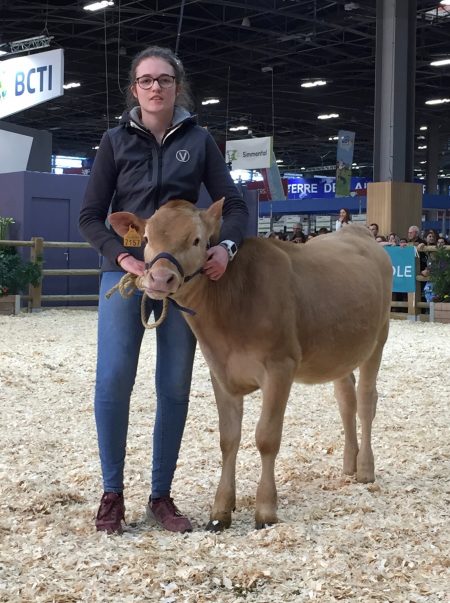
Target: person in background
155	154
403	242
344	218
441	242
393	239
381	240
374	229
297	233
414	235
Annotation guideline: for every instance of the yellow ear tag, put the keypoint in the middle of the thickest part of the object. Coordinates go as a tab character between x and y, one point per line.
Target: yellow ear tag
132	238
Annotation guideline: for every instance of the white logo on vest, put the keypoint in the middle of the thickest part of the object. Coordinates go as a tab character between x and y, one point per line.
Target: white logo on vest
183	155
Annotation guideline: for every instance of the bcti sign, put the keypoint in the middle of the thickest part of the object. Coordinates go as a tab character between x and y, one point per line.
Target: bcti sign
30	80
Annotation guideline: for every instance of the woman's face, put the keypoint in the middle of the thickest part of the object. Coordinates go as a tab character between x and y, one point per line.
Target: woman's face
156	99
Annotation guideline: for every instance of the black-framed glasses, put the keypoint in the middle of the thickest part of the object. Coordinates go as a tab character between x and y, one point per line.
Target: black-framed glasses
164	81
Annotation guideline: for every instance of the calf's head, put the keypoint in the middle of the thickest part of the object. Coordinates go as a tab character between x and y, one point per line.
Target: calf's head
176	238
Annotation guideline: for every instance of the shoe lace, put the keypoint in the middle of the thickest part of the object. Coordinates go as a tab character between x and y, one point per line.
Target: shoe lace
109	506
167	501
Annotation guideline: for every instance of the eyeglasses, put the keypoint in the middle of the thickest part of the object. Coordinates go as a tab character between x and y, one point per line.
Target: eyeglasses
164	81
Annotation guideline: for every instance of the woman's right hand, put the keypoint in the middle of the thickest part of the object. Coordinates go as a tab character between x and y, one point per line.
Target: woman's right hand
130	264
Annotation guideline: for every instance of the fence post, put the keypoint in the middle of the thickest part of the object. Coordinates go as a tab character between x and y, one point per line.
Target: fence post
415	297
36	255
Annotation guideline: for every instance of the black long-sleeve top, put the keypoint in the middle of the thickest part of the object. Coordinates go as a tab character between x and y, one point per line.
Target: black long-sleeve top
133	173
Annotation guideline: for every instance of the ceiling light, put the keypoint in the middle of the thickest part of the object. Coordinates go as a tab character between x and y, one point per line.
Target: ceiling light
440	63
422	162
71	85
95	148
423	128
445	2
424	146
280	161
210	101
437	101
328	116
3	52
237	128
98	5
246	22
333	137
313	83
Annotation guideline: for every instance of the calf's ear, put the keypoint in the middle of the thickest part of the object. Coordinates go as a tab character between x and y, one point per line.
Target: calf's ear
213	219
122	220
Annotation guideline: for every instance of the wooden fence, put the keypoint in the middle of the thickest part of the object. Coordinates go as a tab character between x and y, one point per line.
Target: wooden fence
37	254
413	304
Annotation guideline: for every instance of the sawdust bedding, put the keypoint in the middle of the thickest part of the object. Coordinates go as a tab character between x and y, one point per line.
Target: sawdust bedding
339	541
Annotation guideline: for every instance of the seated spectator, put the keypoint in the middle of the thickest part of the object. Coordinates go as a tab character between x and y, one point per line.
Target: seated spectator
297	232
431	237
312	235
344	218
441	242
323	231
413	235
393	239
374	229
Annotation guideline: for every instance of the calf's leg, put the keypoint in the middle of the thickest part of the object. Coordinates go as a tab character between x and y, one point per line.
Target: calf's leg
345	392
367	397
230	408
268	438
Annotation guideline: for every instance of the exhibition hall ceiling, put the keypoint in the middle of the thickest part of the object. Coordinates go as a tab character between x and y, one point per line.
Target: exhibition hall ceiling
252	55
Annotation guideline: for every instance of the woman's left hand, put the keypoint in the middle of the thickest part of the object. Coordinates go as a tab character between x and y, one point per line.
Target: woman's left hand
217	262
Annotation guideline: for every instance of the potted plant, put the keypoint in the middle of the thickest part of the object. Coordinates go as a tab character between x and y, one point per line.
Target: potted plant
16	274
440	278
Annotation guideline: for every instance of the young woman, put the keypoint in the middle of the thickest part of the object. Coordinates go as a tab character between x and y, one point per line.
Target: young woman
344	218
155	154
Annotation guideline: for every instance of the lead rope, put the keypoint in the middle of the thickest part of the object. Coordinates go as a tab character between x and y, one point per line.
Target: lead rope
127	286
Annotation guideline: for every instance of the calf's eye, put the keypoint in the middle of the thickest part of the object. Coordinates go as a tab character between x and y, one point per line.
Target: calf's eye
196	242
145	239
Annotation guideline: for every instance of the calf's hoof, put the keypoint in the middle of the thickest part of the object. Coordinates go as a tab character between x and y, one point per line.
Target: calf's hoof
215	525
365	478
261	525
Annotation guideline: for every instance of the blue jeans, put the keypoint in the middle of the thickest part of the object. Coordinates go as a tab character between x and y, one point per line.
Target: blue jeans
120	333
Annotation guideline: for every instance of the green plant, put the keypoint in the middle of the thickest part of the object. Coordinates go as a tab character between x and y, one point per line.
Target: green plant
440	274
5	223
15	273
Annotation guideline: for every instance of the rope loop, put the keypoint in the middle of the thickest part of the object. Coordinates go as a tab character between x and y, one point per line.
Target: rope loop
127	286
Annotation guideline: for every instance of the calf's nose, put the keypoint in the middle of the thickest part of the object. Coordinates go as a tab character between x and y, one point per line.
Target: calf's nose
162	279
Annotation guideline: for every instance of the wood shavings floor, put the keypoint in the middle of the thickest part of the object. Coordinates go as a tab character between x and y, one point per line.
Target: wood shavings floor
339	541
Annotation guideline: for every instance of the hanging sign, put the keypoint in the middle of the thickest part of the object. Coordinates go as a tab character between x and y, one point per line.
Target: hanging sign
344	158
30	80
249	153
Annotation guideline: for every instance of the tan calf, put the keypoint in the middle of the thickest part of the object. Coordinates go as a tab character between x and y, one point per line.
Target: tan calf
281	313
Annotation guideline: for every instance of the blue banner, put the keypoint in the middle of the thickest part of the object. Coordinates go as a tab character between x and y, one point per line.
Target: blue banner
299	188
403	268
